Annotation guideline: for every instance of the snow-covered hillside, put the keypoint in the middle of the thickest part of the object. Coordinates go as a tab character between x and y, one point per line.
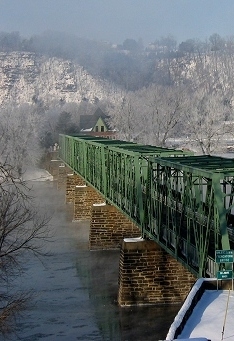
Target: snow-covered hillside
25	75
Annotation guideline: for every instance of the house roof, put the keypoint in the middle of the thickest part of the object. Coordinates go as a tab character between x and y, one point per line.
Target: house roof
88	122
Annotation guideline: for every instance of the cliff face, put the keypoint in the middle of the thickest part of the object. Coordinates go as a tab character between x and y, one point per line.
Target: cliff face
26	76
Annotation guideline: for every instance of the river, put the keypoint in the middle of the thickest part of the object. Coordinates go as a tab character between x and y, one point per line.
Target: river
75	289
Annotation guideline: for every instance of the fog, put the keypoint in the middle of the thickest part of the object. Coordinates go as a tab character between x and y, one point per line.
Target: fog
114	21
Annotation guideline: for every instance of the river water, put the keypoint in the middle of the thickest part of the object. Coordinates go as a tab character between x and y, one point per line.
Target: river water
75	290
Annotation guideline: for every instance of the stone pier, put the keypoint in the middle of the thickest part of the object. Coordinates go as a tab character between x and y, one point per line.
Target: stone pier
149	275
53	168
73	180
109	227
85	197
62	176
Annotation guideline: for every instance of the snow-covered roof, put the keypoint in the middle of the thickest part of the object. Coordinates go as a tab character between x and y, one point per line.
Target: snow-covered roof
88	122
90	129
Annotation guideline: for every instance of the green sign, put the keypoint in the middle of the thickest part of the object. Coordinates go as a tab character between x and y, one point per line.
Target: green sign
224	256
225	274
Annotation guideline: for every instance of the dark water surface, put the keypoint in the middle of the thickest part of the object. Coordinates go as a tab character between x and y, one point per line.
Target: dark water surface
76	289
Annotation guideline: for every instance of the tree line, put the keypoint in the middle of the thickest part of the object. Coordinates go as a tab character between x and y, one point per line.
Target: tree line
173	116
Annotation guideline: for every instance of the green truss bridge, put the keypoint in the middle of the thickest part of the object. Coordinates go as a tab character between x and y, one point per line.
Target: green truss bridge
181	201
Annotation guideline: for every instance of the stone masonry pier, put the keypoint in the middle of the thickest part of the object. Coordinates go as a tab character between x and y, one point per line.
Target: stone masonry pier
109	227
149	275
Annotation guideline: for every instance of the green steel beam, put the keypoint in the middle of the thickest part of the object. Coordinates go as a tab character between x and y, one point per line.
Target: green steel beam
190	202
181	201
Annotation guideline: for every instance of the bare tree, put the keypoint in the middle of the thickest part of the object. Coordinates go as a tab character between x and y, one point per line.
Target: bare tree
151	115
126	118
163	113
206	122
19	135
22	231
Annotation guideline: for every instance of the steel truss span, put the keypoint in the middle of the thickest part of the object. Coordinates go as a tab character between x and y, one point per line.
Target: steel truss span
181	201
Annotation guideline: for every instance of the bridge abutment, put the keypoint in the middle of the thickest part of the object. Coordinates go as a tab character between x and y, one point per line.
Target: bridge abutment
149	275
109	227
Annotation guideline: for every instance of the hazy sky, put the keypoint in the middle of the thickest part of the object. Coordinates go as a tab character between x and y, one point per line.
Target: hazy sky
116	20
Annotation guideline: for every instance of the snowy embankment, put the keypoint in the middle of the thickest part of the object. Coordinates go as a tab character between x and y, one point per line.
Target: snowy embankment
205	314
186	310
212	317
37	174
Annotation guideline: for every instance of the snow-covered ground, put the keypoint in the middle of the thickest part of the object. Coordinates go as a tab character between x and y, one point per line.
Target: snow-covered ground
212	318
37	174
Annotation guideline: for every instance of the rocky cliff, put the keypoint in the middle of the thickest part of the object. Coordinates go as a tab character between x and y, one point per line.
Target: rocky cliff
26	77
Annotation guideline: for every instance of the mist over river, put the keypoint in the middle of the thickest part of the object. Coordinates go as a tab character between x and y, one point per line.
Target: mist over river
76	289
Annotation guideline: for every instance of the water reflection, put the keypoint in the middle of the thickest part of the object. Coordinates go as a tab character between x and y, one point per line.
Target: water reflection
98	271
